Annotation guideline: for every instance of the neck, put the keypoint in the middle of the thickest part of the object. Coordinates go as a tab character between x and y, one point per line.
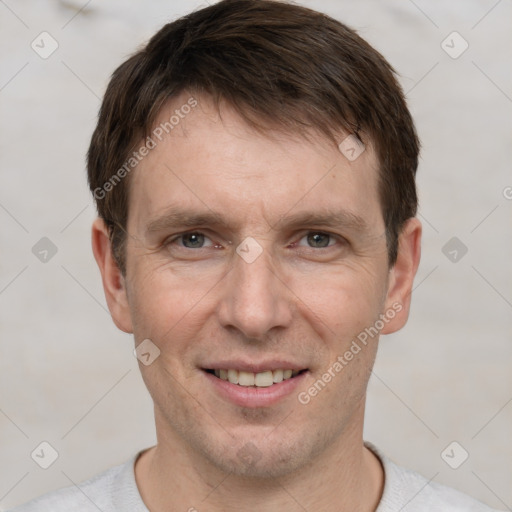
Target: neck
346	476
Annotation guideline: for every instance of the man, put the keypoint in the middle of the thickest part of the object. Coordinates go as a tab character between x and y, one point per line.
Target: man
254	172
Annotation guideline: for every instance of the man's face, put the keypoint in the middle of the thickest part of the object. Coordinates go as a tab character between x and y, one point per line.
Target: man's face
311	277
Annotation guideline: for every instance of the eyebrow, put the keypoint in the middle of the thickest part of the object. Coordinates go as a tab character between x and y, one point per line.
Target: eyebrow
328	218
186	218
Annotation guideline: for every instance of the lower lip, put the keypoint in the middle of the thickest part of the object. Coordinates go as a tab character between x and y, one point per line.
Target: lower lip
246	396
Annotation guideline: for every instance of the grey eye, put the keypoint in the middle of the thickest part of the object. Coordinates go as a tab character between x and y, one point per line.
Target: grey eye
193	240
318	240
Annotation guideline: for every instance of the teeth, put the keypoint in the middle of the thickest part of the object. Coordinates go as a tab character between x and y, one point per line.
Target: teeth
232	376
264	379
260	380
278	376
246	379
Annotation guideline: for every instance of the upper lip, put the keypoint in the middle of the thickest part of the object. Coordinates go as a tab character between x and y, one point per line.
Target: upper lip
254	367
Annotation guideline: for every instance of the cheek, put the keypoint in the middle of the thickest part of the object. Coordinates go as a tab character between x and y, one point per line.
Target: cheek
341	302
169	304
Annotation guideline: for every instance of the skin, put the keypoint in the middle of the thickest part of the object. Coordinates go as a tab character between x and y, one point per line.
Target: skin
304	299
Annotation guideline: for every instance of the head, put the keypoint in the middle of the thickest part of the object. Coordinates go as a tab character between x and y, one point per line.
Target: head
233	230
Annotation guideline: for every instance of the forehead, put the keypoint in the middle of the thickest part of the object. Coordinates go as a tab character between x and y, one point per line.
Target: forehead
210	159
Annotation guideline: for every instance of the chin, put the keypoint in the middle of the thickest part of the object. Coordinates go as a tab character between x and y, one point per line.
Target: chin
261	458
266	466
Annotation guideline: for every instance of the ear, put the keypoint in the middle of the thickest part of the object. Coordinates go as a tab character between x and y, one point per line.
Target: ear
113	280
401	276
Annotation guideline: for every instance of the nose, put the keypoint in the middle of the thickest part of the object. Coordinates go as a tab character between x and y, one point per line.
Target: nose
255	298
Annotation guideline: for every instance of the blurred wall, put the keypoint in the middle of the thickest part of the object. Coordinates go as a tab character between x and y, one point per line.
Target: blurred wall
68	376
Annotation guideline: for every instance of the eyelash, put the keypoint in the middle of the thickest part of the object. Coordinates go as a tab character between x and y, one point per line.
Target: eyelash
309	233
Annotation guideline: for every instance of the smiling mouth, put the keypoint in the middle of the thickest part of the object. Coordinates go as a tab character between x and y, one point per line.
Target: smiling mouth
263	379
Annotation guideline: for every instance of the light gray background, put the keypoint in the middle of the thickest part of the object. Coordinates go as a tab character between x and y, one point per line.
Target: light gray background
68	376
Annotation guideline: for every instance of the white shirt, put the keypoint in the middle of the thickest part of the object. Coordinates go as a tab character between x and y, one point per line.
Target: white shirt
115	490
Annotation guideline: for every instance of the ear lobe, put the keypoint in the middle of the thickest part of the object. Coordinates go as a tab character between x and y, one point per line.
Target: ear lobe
401	276
112	278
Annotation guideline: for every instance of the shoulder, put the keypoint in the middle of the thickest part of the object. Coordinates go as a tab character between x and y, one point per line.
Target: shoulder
113	489
409	491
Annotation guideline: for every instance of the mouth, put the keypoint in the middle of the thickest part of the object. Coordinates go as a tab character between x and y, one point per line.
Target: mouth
263	379
261	388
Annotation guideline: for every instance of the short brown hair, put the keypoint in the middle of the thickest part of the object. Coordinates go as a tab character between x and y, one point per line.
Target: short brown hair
278	65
